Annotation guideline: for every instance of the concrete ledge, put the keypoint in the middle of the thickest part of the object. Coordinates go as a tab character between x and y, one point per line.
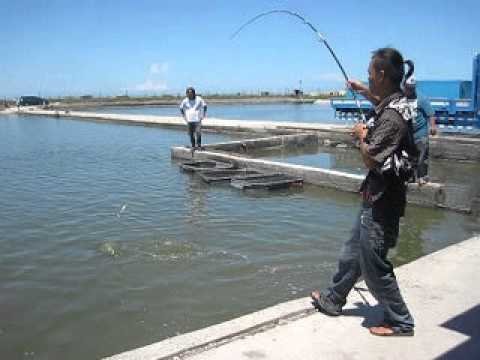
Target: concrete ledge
284	141
431	194
216	334
437	292
209	123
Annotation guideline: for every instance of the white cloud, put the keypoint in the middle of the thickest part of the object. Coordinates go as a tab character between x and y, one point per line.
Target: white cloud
155	78
152	85
333	77
159	68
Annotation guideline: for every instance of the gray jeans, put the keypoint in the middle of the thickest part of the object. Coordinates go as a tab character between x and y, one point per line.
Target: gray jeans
423	157
195	133
366	254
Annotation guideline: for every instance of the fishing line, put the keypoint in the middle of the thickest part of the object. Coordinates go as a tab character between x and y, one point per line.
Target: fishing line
321	38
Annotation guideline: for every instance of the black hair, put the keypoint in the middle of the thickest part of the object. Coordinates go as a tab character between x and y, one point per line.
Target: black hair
190	88
411	68
391	62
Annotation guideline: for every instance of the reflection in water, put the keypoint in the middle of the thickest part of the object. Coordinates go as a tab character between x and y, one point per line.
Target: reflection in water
195	201
341	159
413	226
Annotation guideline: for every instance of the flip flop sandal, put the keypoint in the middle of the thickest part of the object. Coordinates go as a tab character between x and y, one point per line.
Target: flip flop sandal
323	304
388	330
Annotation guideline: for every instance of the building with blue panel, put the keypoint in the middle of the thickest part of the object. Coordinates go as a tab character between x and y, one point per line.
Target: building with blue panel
476	86
456	102
446	89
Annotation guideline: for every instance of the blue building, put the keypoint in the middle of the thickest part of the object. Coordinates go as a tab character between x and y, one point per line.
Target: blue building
455	102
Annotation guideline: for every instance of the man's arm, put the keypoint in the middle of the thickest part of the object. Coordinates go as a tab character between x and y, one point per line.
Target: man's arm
360	132
182	111
433	126
363	90
203	104
385	139
426	106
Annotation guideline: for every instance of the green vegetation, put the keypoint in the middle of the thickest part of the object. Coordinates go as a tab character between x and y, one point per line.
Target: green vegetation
168	99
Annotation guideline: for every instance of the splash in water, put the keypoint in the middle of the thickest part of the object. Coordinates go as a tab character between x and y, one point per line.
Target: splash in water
122	209
108	249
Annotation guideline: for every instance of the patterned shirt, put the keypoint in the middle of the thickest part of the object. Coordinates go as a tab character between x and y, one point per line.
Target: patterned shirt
386	135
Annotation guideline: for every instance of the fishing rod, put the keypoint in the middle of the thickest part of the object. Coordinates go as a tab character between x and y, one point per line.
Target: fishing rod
321	38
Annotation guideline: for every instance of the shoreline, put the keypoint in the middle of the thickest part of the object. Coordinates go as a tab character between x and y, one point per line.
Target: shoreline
176	101
78	103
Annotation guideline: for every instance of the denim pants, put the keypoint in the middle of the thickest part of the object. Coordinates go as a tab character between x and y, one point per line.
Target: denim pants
366	254
195	130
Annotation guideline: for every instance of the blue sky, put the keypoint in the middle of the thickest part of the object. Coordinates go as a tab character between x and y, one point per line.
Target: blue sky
55	47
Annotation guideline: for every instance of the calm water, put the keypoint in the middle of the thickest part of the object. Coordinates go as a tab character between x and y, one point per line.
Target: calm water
105	245
274	112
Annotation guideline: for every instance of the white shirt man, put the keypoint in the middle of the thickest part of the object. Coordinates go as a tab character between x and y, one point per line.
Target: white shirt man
194	110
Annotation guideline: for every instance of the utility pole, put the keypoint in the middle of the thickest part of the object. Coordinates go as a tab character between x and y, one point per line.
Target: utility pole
300	89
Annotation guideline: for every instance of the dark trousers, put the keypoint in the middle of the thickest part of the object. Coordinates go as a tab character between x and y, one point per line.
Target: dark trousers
194	130
366	254
423	157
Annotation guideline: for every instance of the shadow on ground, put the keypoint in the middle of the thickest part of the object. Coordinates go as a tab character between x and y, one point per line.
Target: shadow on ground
467	323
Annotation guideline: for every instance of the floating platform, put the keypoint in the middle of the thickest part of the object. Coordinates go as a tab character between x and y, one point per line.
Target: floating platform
215	171
218	175
203	165
268	182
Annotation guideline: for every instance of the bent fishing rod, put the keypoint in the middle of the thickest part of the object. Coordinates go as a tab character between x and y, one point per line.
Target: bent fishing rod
321	38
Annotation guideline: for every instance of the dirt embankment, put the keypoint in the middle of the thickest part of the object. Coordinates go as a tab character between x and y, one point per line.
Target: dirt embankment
88	103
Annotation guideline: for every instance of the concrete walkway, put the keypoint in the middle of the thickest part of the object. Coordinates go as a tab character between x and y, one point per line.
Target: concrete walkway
440	289
208	123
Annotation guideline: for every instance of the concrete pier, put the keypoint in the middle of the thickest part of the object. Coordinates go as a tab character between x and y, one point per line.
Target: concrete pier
437	288
462	148
430	195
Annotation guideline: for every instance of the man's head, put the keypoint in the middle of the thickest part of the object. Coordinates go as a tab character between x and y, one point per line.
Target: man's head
385	72
190	92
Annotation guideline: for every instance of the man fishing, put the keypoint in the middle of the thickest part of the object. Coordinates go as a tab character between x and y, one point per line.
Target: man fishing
384	198
194	110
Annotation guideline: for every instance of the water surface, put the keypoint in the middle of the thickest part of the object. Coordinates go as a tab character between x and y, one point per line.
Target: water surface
321	113
105	245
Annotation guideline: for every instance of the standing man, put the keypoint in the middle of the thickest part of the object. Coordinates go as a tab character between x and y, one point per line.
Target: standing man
194	110
424	117
384	198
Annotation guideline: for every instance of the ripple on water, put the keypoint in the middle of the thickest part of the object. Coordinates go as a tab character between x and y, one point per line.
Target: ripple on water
159	250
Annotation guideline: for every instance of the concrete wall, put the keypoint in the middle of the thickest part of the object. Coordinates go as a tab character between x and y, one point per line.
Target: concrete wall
455	148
